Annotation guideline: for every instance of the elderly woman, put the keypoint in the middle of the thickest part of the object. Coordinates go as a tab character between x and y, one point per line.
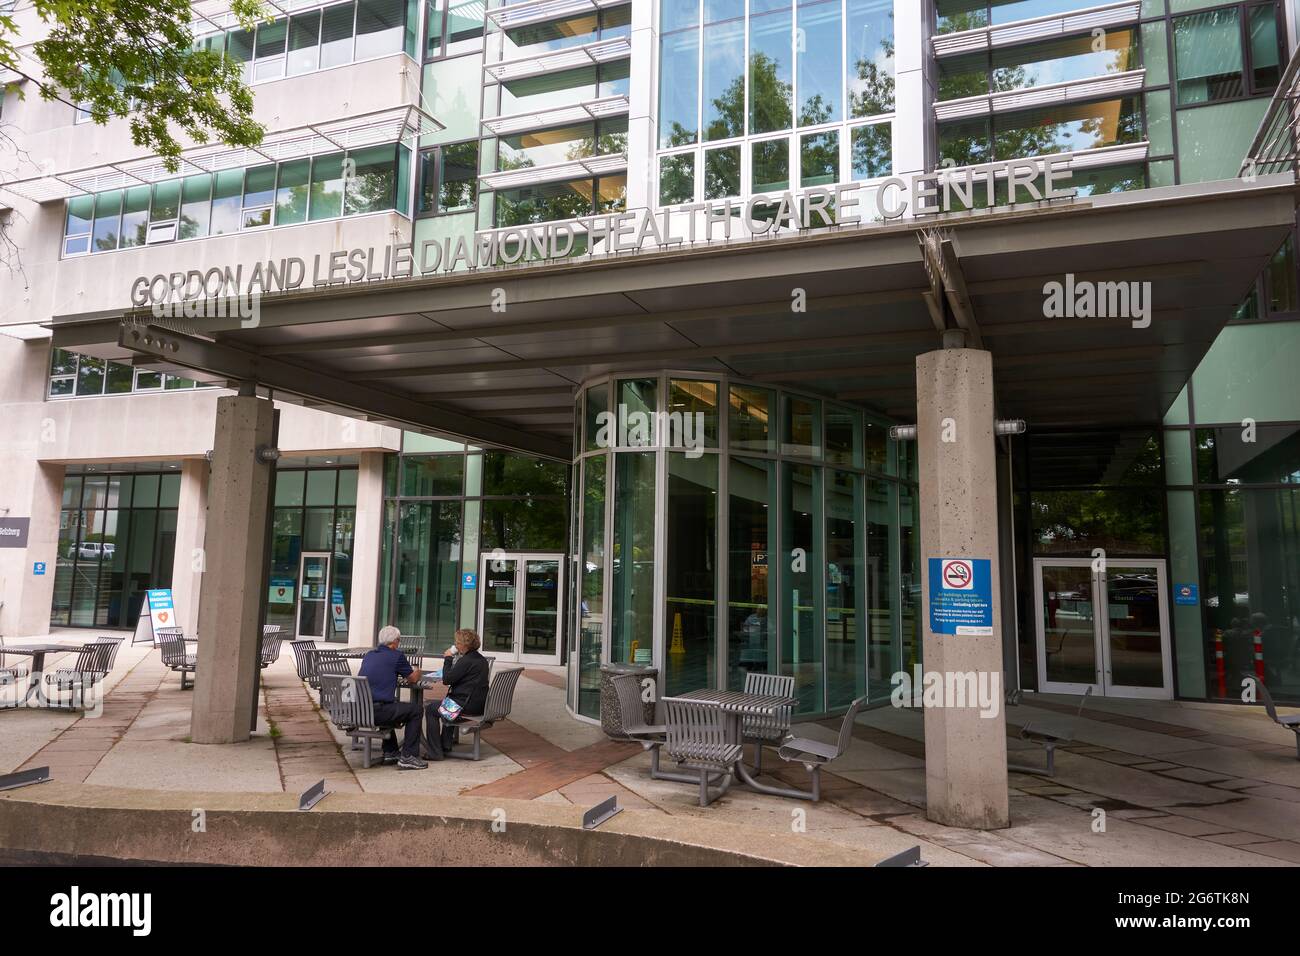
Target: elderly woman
465	672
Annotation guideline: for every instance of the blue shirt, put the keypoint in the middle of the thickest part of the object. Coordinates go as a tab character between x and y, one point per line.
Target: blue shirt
383	666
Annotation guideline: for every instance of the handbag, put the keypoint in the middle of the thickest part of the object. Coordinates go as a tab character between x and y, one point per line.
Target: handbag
449	709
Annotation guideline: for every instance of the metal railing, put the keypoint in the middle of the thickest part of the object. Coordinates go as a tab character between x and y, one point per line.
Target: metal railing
1276	147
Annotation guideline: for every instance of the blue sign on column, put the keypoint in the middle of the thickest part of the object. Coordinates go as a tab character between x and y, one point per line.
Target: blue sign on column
1186	594
961	596
38	568
469	581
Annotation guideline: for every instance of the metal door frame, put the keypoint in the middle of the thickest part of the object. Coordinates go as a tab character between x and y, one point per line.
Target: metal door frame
1103	686
521	559
302	582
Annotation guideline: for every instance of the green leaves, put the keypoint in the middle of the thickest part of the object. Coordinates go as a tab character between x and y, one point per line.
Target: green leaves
136	59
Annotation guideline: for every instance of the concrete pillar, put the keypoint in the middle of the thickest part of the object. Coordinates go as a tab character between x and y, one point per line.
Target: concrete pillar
367	550
230	603
965	753
27	596
190	560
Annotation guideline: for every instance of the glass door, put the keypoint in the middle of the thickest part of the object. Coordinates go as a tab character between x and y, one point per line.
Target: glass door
1108	630
519	606
542	587
1135	645
497	606
313	595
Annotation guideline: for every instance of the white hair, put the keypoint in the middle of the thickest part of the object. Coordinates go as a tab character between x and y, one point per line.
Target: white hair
389	634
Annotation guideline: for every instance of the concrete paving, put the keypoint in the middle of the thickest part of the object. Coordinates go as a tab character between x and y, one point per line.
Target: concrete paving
1167	782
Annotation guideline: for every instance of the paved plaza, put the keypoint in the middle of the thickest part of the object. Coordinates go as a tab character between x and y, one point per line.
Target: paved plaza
1184	783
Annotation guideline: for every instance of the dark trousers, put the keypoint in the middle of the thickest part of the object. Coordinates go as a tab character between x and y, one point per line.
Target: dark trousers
395	714
441	734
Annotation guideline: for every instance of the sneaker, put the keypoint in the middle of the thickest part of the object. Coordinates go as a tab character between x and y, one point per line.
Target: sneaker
410	763
390	759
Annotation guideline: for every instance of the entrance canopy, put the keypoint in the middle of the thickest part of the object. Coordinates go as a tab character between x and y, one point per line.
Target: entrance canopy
494	355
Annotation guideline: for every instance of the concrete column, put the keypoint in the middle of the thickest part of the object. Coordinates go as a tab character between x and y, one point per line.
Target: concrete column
230	603
27	596
367	551
965	753
190	560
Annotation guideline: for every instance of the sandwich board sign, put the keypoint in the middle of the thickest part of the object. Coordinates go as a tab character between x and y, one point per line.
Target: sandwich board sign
161	610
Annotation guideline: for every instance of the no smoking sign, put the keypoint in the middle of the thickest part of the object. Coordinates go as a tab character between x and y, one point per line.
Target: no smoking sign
961	596
958	575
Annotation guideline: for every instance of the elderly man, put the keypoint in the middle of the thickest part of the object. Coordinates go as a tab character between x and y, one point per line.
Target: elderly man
383	666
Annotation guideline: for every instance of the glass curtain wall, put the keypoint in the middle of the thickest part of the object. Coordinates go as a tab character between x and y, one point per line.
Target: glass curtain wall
760	96
117	539
1232	445
315	512
447	503
1210	68
726	528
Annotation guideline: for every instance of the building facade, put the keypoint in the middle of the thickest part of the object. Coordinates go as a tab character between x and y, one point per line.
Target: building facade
693	468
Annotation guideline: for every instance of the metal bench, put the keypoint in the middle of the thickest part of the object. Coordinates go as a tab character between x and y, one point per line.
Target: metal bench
1291	722
500	698
698	741
777	727
815	754
351	708
88	673
175	654
1050	741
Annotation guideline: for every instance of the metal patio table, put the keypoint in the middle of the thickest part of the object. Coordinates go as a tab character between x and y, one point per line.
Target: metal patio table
735	705
37	653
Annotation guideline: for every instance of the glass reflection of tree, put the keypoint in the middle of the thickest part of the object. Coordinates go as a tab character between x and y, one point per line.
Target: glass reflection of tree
872	92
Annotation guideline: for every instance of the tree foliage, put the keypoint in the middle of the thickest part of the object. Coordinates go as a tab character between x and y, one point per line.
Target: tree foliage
136	59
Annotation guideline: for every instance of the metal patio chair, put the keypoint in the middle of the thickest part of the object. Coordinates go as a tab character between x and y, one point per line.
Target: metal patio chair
500	698
272	643
175	654
757	729
91	668
351	708
11	675
815	754
1049	741
304	658
698	741
651	736
1290	722
330	664
116	642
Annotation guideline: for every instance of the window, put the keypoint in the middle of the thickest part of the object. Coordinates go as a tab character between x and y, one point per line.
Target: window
676	179
337	24
380	27
255	198
448	178
871	151
1226	54
291	192
722	172
270	47
304	43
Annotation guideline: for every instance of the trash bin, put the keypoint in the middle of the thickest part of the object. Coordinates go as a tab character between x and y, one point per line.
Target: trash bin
611	715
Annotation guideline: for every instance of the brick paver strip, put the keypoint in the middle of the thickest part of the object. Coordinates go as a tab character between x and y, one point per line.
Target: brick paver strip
74	754
546	677
556	773
305	750
521	745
